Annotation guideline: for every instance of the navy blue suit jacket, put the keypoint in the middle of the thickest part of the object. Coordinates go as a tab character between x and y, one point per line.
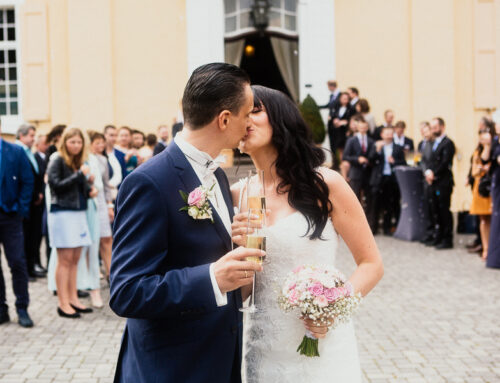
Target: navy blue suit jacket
16	180
160	279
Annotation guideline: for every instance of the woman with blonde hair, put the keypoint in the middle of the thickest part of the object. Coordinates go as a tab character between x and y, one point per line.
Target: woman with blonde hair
70	187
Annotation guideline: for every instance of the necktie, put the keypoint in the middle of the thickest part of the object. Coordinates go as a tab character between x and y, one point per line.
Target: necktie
363	144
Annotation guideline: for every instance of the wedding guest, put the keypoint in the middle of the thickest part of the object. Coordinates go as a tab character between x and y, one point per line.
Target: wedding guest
439	176
125	151
356	153
332	104
338	130
32	225
388	121
493	259
146	152
385	195
481	163
162	141
400	138
53	139
353	97
138	139
16	191
116	164
67	221
363	107
41	145
353	129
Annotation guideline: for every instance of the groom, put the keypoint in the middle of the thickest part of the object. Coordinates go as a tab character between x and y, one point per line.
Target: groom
175	277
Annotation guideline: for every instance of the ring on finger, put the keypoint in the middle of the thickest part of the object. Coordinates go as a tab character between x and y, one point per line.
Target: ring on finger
246	274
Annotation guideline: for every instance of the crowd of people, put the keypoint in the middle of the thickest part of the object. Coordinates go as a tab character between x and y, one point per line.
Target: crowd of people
366	155
62	185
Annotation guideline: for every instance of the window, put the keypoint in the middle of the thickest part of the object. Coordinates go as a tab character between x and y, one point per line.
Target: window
238	16
8	63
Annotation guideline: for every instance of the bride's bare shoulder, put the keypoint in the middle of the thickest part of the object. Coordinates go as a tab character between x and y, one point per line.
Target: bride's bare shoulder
336	183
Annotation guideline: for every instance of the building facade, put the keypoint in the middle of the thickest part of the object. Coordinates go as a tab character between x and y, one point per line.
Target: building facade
95	62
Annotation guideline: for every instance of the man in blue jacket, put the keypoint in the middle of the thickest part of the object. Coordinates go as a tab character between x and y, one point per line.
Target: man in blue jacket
16	190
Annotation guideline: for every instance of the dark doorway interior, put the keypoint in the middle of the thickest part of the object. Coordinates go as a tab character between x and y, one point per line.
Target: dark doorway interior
262	67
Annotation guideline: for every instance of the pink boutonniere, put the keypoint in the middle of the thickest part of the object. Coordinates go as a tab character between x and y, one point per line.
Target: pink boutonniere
198	206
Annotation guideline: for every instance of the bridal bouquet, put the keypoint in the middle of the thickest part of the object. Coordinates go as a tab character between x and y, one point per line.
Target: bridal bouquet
322	294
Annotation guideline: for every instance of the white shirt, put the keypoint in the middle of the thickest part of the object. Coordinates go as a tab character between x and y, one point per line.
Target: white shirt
198	160
354	100
342	111
362	140
387	154
399	140
42	155
117	170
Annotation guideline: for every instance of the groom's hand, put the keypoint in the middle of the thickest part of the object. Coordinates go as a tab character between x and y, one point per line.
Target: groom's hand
233	270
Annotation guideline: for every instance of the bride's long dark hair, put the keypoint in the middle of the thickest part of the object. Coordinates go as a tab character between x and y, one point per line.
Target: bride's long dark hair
298	159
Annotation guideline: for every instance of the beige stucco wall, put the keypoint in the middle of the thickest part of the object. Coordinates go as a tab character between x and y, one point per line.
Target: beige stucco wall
108	61
418	58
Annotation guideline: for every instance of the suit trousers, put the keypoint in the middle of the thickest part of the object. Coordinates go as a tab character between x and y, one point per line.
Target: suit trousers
361	188
385	200
33	236
441	200
11	235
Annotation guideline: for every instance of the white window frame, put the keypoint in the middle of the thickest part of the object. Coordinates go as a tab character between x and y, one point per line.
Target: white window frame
10	123
281	30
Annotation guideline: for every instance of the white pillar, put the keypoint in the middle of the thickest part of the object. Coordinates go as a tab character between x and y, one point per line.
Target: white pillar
205	32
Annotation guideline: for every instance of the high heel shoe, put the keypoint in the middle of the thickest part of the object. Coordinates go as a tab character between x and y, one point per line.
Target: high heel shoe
66	315
86	310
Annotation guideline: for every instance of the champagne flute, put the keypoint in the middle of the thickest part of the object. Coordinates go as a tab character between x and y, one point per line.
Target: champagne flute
255	240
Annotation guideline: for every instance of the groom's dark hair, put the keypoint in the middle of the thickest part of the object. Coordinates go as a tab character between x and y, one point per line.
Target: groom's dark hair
211	89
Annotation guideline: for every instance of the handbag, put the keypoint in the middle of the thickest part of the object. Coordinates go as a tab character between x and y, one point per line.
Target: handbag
484	187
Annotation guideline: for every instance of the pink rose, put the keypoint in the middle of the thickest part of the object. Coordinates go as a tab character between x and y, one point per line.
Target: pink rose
316	289
332	294
196	198
321	301
292	286
293	297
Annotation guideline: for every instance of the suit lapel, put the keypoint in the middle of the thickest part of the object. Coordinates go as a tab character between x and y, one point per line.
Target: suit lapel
191	181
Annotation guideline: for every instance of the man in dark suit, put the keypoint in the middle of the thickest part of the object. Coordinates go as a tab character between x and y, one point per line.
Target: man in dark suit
400	139
356	153
32	226
162	140
175	277
16	192
333	100
425	150
353	96
439	177
388	121
384	156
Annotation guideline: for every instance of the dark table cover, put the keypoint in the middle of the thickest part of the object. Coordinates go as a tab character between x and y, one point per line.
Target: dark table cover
413	219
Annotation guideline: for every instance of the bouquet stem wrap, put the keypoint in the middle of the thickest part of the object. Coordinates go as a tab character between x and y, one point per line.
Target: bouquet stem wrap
309	345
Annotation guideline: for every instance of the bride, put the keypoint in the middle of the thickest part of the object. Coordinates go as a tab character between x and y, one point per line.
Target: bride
309	206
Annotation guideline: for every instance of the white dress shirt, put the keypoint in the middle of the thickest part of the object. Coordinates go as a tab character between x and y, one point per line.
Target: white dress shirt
204	167
387	154
354	101
362	140
399	140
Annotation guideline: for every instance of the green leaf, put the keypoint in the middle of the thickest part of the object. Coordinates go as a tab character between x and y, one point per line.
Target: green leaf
184	208
184	196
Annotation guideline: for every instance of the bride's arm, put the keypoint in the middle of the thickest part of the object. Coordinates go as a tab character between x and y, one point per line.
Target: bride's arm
350	222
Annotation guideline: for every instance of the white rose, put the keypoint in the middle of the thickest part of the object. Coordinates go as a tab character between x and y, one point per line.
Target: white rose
193	212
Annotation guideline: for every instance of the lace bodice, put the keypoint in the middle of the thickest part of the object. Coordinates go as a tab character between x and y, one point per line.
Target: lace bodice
271	337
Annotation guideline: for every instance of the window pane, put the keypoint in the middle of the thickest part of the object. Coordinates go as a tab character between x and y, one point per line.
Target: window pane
245	4
276	3
275	19
13	108
3	108
230	6
1	17
11	57
12	90
230	24
10	16
2	57
245	20
291	5
2	74
2	91
11	34
290	23
12	74
2	34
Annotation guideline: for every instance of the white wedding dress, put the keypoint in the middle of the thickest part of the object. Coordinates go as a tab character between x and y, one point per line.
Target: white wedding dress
271	337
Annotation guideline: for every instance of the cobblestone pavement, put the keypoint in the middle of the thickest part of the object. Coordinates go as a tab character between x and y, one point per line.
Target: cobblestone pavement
433	318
